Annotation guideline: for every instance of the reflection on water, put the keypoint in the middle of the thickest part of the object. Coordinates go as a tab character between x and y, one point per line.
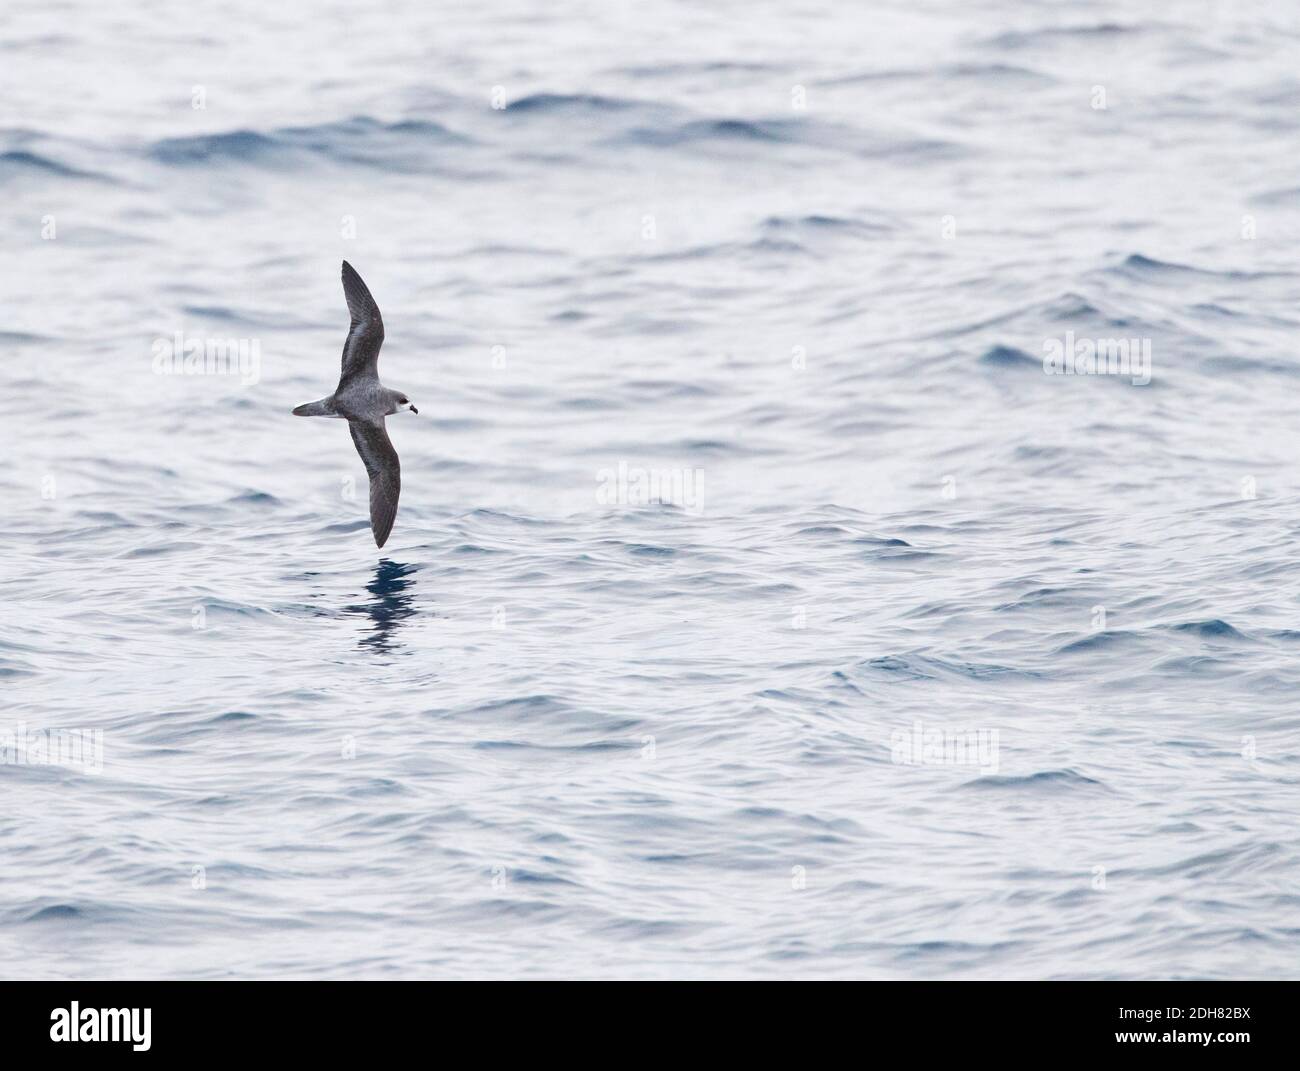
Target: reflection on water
390	605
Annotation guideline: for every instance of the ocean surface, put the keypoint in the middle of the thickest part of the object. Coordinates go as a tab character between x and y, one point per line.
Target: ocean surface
760	603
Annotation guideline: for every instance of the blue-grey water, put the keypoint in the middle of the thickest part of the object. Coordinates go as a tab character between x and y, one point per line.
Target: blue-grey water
758	606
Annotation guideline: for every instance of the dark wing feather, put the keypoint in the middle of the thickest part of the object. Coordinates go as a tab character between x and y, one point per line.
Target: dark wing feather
385	473
361	350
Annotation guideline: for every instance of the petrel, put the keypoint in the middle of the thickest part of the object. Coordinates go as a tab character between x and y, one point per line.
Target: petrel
363	402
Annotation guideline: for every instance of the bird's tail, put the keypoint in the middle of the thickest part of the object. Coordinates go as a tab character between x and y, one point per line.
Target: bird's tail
322	408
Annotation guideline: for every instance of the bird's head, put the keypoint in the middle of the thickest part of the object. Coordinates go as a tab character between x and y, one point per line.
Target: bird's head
402	403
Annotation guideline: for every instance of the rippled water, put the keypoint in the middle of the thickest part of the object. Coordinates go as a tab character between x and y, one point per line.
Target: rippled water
798	267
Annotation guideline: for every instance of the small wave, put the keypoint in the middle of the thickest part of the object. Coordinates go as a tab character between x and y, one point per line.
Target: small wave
1229	366
474	550
1213	628
833	530
771	133
665	390
983	74
669	70
19	162
496	516
646	550
1046	781
1070	308
524	706
1062	34
253	498
227	314
1140	266
1096	641
590	405
880	541
1224	862
1195	666
767	132
896	668
234	716
55	912
730	250
815	225
17	338
402	146
201	148
553	103
1009	357
1288	196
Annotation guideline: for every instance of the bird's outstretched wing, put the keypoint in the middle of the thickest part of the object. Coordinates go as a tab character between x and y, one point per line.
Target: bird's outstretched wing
366	335
385	473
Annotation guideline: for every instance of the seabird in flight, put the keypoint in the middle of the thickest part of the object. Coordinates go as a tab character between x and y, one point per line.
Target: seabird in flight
363	402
